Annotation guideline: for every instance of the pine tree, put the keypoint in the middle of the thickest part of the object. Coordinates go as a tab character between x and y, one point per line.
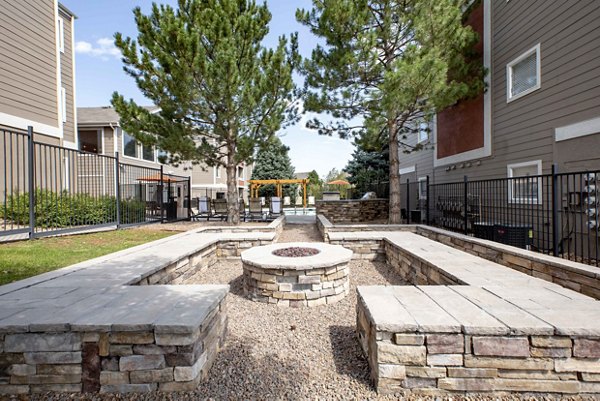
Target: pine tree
391	64
273	163
221	93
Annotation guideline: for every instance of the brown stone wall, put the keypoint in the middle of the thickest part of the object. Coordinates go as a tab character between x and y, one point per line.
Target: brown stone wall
354	211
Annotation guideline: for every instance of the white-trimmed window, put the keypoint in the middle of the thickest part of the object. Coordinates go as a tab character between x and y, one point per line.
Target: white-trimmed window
63	104
524	74
134	149
218	171
525	183
423	132
422	187
61	34
148	153
130	146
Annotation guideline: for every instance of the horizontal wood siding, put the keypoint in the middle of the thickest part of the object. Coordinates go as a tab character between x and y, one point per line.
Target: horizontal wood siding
28	86
523	130
67	79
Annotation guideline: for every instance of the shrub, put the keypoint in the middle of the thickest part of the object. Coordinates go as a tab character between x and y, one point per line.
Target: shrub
62	209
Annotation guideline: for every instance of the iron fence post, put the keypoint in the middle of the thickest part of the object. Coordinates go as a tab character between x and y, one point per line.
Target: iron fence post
162	194
465	205
118	187
407	201
427	204
554	210
31	183
189	185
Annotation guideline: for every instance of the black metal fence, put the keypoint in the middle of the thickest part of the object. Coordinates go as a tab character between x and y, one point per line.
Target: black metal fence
555	214
47	190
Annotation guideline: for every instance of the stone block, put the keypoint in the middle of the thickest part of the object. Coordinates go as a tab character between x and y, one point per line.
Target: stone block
189	373
152	376
7	389
120	350
590	377
472	373
21	370
46	379
550	352
36	358
535	375
132	338
401	354
141	362
316	302
467	384
586	348
390	371
309	279
153	349
577	365
129	388
545	386
56	388
103	345
429	372
445	359
110	364
501	346
59	369
175	339
39	342
445	343
551	342
508	363
111	378
419	382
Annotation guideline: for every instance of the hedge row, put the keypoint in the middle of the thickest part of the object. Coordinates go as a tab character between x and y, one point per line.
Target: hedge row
62	209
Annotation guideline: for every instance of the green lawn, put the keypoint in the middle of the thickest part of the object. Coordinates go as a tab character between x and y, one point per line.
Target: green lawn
19	260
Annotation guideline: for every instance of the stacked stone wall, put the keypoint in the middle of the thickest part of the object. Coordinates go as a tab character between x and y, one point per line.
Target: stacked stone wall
577	277
111	362
354	211
432	363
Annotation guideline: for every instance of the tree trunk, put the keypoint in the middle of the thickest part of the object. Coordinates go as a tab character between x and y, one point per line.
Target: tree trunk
233	211
395	206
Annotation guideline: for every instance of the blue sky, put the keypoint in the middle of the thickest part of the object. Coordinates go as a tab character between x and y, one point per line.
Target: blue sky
99	70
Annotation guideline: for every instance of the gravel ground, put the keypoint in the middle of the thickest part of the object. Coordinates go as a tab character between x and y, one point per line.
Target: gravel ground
275	353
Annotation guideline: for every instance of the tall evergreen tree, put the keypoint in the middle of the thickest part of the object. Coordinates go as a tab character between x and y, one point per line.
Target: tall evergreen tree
273	163
390	63
221	93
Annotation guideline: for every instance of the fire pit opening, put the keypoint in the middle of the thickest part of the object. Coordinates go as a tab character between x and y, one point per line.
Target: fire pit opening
295	252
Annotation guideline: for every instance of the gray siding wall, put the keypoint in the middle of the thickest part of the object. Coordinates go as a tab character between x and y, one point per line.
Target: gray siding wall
28	87
523	130
68	78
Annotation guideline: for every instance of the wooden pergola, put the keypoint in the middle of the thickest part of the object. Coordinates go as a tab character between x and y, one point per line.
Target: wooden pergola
256	184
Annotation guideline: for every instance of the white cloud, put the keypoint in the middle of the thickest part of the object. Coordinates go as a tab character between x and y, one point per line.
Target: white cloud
104	48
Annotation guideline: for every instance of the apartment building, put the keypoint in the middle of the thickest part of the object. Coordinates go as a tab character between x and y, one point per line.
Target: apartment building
37	73
99	132
542	103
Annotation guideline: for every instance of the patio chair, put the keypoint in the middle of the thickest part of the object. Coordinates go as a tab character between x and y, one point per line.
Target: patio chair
275	207
220	206
204	209
255	209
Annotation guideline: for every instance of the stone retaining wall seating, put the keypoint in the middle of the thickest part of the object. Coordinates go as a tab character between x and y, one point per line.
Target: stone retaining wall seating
472	324
354	211
100	326
297	281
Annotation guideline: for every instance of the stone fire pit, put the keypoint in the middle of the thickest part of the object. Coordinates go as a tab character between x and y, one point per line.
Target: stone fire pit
297	274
